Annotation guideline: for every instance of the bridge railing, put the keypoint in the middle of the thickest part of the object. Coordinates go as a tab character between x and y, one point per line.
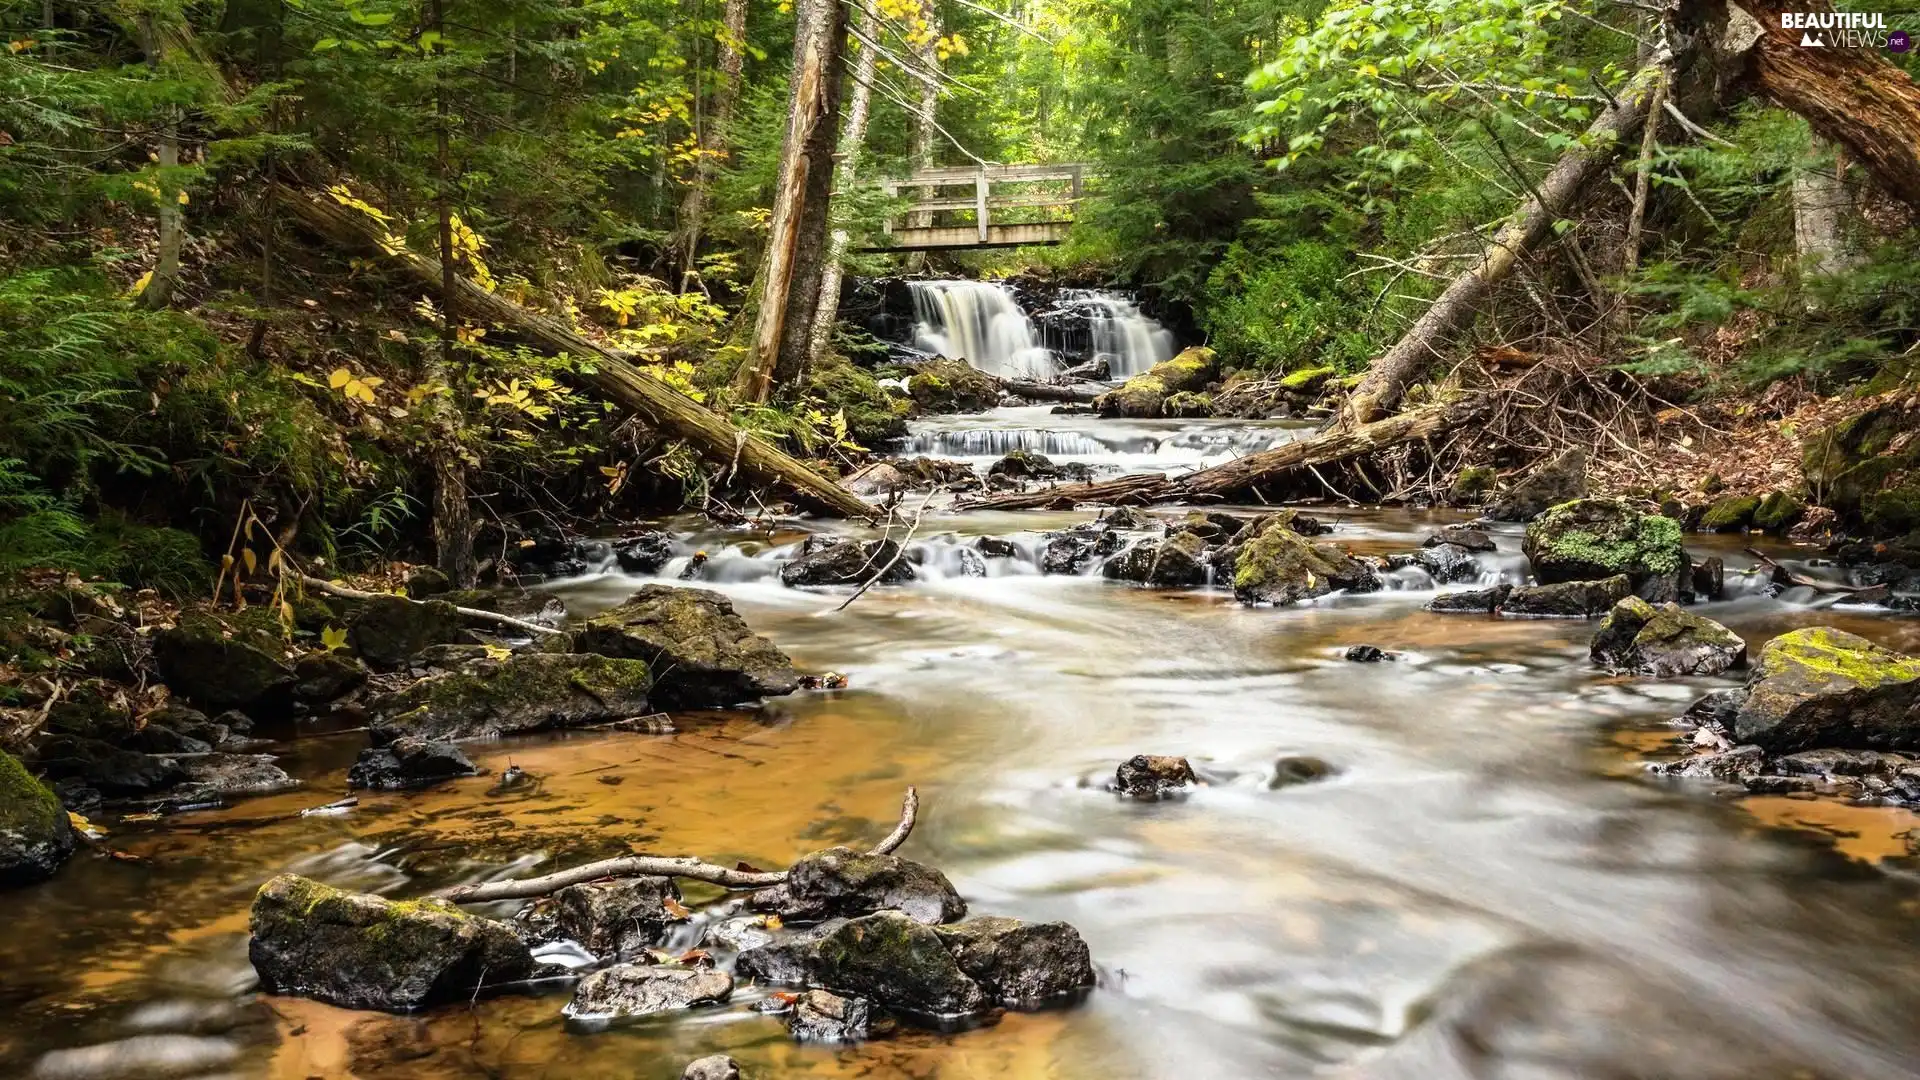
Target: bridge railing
920	232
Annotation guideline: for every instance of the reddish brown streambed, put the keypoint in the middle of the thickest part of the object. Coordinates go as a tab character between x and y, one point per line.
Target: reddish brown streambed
1486	890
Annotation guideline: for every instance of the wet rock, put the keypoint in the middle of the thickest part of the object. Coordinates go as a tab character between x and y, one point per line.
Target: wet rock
849	562
819	1016
1279	566
1146	395
158	738
409	762
1729	766
639	990
1664	641
545	557
211	777
1598	538
34	835
1716	709
108	770
841	882
1470	601
952	386
877	478
1021	965
1561	480
618	919
1568	599
936	472
212	666
740	934
1187	404
1065	554
705	654
886	957
1095	370
994	547
1778	512
427	582
1447	564
320	677
1816	526
1822	687
388	630
714	1067
1367	654
360	951
1710	578
1153	776
1176	562
643	553
1296	769
1831	762
1025	465
525	692
1461	536
1731	514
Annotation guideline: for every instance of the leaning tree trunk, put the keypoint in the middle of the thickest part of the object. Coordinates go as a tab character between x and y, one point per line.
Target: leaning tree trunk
852	141
713	141
1454	310
797	239
1853	96
667	410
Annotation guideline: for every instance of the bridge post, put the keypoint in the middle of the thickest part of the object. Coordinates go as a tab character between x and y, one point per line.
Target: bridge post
980	201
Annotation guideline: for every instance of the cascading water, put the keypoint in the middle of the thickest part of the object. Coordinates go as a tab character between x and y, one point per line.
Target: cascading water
1131	342
979	322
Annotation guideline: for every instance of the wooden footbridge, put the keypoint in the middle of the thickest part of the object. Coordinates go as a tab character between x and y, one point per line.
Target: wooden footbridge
1050	190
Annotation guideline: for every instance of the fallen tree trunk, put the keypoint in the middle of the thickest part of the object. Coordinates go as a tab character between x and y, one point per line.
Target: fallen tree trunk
1248	473
1039	391
1455	308
666	409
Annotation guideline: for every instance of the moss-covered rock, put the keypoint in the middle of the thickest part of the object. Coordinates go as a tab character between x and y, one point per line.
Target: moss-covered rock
1822	687
841	882
34	835
1472	484
952	386
1664	641
1021	965
1867	468
1146	395
217	666
366	952
1177	562
523	693
1279	566
1591	539
1306	380
1560	480
873	416
1187	404
387	631
1731	514
705	655
1025	465
1778	512
885	957
1567	599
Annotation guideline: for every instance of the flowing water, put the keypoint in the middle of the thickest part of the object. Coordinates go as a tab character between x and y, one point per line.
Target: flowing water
1127	446
982	323
1489	888
1131	341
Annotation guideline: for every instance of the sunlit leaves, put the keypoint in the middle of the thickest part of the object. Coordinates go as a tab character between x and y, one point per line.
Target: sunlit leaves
354	387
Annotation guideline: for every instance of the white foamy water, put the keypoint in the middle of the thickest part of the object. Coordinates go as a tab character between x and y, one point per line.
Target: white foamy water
1109	445
978	321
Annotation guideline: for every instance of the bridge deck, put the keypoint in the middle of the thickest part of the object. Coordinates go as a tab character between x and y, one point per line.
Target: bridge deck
921	233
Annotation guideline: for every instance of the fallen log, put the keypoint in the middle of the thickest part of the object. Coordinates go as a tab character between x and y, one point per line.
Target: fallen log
1079	394
1247	473
666	409
685	866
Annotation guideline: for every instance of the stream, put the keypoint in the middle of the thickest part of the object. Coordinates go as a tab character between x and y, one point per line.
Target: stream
1489	887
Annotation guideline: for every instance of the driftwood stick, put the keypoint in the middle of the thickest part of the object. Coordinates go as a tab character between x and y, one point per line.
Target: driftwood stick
333	589
1787	577
685	866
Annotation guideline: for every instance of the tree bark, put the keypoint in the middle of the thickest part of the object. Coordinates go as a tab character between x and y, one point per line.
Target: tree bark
1248	473
660	405
1853	96
1455	308
173	226
713	141
452	517
790	293
852	142
1822	208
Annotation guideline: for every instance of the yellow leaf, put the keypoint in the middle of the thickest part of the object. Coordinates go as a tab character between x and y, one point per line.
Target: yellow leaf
140	286
333	638
773	922
247	556
677	909
498	652
181	198
339	378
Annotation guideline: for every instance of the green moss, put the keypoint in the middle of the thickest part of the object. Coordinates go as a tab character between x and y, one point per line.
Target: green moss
1779	510
1306	379
873	415
1606	535
1862	470
27	807
1729	514
1827	651
1474	481
1187	404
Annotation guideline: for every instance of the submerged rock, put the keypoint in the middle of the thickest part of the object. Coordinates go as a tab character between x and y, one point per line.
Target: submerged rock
638	990
1447	564
1461	536
525	692
885	957
1822	687
705	655
1153	776
1279	566
218	668
1020	965
849	562
1593	539
841	882
389	630
820	1016
714	1067
35	837
360	951
1298	769
643	553
1470	601
617	919
1728	766
1568	599
1561	480
409	762
1664	641
1173	563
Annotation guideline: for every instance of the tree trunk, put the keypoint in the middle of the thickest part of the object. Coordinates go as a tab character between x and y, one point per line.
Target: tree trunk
452	517
1822	209
852	142
664	408
1853	96
797	239
173	226
1246	474
1455	308
713	141
928	54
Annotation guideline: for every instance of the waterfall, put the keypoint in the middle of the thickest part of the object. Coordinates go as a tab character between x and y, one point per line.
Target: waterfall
977	321
1131	341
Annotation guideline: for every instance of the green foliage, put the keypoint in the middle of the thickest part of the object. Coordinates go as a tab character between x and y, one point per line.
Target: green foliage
1292	309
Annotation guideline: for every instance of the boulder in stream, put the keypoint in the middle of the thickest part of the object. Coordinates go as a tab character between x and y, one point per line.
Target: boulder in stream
522	693
1462	536
35	837
217	667
644	552
705	655
1470	601
1065	553
625	990
1560	480
1153	776
1279	566
1567	599
1176	562
1822	687
1664	641
409	762
1367	654
616	919
389	630
1296	769
841	882
360	951
712	1067
821	1016
1447	564
886	957
1019	964
1025	465
1591	539
1146	395
848	562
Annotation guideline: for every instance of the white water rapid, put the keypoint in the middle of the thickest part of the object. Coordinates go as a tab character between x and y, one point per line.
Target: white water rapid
1130	340
978	321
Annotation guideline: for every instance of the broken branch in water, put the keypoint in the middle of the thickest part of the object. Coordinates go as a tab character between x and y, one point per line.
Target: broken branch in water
685	866
1784	576
333	589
